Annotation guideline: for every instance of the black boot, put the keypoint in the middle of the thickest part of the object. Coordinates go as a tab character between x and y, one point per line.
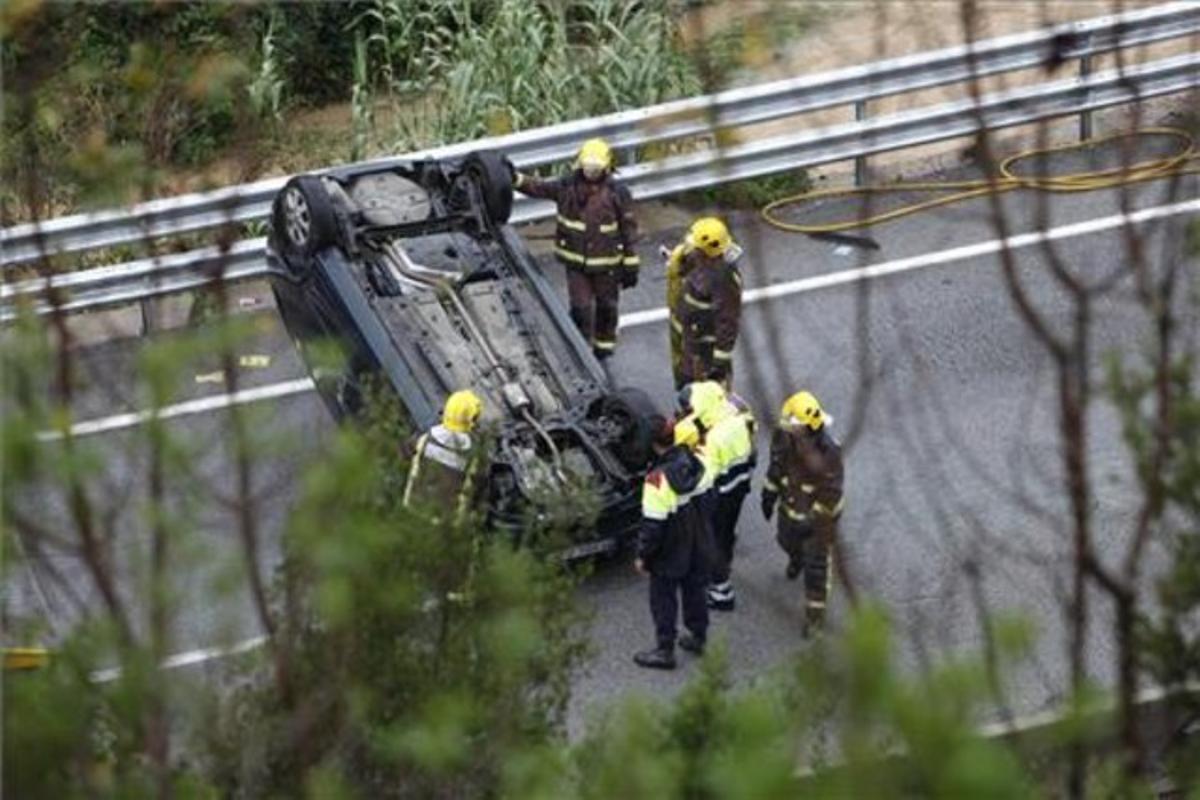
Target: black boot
658	658
793	569
692	644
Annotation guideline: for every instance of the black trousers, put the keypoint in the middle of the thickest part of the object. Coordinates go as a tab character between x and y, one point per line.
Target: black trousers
811	548
665	594
729	508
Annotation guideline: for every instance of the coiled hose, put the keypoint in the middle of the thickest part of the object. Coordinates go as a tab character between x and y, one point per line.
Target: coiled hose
1184	160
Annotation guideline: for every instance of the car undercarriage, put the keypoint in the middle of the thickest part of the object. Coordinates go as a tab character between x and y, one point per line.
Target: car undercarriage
411	274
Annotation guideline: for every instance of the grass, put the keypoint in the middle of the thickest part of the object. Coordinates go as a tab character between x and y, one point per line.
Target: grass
753	193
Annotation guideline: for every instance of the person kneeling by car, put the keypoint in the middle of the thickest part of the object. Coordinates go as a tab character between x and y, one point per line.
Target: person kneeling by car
675	546
594	240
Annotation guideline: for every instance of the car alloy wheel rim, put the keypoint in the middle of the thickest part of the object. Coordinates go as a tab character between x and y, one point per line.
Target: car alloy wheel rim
299	221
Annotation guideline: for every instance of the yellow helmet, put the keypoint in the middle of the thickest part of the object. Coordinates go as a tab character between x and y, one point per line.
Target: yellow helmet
704	400
687	433
802	408
595	154
462	411
710	236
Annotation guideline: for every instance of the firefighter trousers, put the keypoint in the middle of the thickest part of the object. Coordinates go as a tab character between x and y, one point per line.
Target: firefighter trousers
665	594
809	547
676	356
694	361
593	296
729	508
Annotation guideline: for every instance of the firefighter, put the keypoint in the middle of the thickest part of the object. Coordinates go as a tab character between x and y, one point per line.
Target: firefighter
727	430
445	468
805	474
594	240
704	295
675	543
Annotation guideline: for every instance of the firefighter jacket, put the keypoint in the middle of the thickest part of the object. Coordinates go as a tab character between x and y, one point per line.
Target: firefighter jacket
806	471
596	228
730	446
443	472
675	538
708	304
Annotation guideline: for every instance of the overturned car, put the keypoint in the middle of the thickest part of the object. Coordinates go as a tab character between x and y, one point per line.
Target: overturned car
411	272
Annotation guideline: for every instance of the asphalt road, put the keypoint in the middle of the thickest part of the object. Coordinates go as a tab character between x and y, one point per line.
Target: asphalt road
954	457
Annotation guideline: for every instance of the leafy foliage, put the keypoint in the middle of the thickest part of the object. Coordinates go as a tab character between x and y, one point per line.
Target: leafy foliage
473	70
1168	640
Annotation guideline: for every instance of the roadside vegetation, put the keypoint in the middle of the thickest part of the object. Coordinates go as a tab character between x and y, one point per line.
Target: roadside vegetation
173	97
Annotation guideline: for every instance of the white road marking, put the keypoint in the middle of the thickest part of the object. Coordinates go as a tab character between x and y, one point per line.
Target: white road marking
636	319
200	405
1017	242
188	658
991	730
655	315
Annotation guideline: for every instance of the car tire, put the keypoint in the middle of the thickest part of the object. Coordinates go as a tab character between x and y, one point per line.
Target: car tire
635	412
491	174
303	221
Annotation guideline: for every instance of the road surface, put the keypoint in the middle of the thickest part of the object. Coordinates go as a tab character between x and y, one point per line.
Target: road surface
916	348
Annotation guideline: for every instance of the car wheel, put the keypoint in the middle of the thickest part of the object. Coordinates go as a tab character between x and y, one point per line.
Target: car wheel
490	173
303	222
634	413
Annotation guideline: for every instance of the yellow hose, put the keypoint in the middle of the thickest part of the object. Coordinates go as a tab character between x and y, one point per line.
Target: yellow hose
1184	162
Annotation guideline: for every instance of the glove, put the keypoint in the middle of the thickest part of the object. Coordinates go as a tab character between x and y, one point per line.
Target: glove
512	169
768	504
629	278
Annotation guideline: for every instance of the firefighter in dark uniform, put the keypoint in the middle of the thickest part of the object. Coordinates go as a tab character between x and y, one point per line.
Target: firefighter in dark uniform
805	475
446	467
594	240
675	543
704	295
727	446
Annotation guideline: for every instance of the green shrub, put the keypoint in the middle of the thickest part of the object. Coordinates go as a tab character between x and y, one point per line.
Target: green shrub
316	49
514	65
753	193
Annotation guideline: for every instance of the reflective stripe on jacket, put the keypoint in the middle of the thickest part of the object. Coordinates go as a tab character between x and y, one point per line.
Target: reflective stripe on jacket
708	306
442	472
806	471
676	535
731	444
596	229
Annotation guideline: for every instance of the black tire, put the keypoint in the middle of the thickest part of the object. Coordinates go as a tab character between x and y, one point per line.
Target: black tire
635	413
303	221
491	174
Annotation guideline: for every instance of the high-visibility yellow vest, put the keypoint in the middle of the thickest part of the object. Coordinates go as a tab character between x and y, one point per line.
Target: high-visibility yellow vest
660	501
732	448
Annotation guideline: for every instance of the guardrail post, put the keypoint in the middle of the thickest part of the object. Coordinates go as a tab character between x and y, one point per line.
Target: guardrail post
860	163
147	309
1085	117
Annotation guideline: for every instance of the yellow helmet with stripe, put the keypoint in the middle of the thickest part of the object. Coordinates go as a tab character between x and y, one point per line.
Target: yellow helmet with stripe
595	156
710	236
462	411
802	408
687	433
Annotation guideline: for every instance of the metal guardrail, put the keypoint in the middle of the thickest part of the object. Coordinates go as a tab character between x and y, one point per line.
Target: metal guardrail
703	115
663	122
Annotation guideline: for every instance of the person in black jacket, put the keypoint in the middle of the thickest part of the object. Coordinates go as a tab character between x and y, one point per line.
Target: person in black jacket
675	546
